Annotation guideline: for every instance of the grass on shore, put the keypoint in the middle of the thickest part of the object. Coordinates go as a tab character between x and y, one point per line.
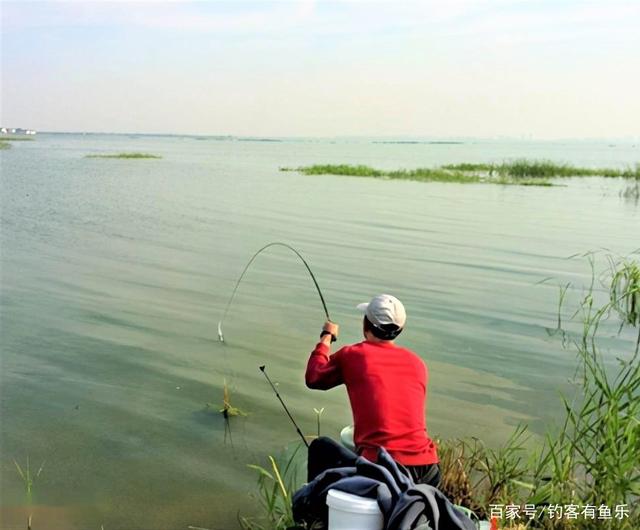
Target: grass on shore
518	172
124	155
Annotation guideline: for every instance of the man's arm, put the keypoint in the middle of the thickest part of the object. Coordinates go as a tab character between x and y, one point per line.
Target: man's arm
323	371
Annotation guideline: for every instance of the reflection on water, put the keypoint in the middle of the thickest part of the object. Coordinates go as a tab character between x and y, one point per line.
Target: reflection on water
115	274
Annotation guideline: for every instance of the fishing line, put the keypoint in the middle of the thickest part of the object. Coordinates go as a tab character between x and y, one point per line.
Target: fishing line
246	268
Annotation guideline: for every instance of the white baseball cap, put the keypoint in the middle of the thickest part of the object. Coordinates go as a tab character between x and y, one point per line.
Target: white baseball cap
384	309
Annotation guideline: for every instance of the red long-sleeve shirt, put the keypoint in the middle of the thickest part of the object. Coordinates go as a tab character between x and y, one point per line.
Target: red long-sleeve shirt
387	387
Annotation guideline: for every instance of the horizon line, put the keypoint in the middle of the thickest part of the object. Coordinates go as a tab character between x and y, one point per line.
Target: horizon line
409	137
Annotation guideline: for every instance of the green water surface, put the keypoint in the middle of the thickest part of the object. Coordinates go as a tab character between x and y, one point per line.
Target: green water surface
115	273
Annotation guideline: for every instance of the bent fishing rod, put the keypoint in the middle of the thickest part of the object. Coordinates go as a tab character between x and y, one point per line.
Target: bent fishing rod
233	294
246	268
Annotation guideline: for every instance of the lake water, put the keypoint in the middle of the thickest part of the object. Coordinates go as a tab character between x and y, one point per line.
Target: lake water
115	273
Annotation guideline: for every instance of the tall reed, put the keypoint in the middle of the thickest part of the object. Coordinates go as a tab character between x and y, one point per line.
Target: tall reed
276	486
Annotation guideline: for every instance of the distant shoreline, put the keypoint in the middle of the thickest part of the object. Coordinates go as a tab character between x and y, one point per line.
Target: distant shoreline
409	140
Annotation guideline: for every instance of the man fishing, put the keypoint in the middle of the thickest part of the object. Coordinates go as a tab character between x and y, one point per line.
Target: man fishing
387	388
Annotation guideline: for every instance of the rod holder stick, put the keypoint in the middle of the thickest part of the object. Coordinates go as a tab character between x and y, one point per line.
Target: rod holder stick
263	369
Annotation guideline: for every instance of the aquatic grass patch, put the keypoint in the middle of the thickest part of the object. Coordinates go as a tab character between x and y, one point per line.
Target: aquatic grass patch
347	170
466	166
433	175
522	169
4	145
419	174
125	156
542	169
424	174
228	411
520	172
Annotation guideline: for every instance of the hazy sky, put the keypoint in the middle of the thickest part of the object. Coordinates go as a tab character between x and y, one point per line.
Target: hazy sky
482	68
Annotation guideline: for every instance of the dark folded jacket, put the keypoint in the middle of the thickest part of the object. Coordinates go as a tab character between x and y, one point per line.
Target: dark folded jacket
403	504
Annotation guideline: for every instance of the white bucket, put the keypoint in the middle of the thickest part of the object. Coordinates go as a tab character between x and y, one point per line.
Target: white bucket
350	512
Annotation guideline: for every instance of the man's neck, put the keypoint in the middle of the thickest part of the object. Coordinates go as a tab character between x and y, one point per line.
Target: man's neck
370	337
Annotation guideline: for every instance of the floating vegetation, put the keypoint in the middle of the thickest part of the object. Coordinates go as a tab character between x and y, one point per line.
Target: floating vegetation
227	409
4	145
517	172
124	155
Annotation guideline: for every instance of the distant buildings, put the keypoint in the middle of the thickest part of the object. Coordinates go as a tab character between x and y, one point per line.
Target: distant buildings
6	130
